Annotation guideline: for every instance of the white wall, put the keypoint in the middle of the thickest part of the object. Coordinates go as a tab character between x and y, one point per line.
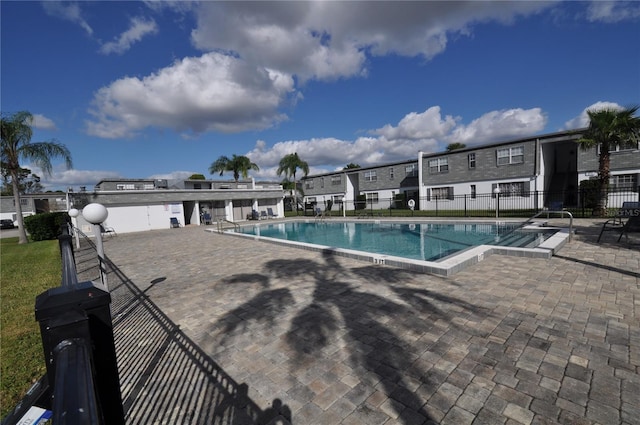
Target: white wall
137	218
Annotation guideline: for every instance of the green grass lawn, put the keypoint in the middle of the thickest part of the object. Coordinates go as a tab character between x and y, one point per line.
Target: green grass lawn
25	271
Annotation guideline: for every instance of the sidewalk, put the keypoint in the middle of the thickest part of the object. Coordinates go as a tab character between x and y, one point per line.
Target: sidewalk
216	329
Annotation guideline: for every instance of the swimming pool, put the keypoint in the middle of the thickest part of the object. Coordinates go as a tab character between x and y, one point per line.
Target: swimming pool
417	241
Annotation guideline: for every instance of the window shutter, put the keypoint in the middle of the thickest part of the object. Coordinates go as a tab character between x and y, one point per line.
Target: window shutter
450	193
525	189
428	194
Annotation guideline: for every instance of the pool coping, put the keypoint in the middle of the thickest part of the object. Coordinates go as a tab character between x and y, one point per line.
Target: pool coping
444	267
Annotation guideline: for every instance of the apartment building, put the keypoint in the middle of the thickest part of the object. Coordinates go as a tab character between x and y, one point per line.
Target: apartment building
525	173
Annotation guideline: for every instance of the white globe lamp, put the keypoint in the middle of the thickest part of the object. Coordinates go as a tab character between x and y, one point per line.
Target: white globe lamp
95	213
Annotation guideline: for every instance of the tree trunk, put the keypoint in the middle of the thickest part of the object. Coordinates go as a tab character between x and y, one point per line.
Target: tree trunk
22	233
603	177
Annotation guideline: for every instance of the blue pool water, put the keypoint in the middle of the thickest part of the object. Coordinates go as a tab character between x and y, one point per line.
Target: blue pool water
420	241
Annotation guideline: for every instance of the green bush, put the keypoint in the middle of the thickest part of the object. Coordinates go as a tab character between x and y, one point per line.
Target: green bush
42	227
590	190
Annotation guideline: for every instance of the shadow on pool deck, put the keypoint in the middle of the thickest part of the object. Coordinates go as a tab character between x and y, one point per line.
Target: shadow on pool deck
340	341
165	377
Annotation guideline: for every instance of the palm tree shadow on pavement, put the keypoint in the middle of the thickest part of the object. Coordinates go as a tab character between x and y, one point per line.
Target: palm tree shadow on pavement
382	332
165	377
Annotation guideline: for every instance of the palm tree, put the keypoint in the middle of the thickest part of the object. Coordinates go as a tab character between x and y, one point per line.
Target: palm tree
240	165
288	166
16	144
611	129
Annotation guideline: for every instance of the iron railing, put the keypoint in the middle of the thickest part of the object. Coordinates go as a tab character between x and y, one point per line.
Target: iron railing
580	203
81	385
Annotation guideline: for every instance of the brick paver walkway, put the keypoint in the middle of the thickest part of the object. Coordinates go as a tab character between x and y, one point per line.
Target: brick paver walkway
339	341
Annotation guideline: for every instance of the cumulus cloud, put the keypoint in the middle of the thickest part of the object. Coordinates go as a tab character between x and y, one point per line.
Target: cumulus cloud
329	40
613	11
69	11
212	92
43	123
426	131
139	27
415	126
497	125
173	175
582	120
61	178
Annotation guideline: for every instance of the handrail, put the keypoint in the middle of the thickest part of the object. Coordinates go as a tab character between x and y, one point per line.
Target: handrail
69	273
74	397
538	214
562	212
236	226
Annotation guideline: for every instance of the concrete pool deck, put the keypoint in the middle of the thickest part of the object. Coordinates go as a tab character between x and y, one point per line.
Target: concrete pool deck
217	329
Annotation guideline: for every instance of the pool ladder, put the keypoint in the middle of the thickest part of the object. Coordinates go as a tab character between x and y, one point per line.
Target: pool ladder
547	212
221	221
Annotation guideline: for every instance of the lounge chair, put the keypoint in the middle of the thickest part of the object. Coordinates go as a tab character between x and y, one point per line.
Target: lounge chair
206	218
630	211
270	213
631	226
105	230
263	215
174	222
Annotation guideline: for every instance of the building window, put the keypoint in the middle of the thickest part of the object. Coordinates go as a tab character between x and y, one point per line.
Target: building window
372	198
473	191
121	186
391	173
311	200
322	182
472	160
149	186
623	182
308	184
336	180
510	155
337	199
23	202
411	170
440	165
628	147
197	186
370	176
510	189
442	193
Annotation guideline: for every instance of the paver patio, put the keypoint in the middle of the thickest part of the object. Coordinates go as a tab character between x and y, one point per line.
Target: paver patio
212	328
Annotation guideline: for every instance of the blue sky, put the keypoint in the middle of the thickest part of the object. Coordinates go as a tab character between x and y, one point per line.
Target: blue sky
162	89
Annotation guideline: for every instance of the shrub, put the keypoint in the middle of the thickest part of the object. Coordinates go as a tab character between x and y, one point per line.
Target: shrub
45	226
589	191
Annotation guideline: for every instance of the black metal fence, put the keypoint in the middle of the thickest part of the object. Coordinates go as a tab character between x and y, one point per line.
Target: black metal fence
580	203
81	385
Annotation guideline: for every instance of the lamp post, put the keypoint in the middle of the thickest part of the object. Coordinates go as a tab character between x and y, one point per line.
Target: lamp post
344	206
497	193
73	213
96	214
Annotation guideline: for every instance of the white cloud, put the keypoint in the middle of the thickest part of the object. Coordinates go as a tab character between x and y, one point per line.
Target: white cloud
173	175
426	131
497	125
582	120
197	94
61	178
67	10
329	40
415	126
139	27
613	11
43	123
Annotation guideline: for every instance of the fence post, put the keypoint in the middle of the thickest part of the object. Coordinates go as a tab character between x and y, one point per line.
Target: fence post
465	205
81	312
